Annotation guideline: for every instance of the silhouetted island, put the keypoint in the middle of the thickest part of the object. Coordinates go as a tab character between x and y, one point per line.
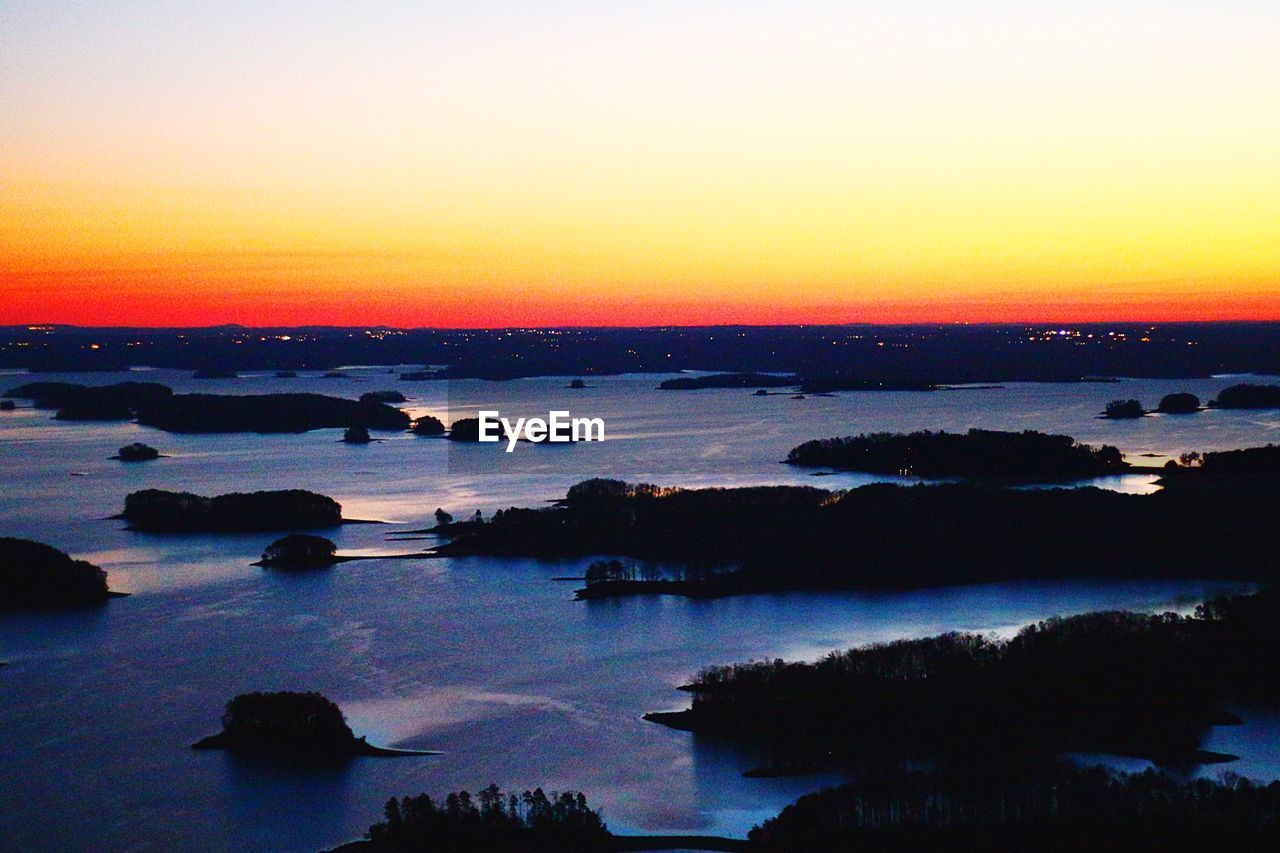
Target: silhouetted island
981	454
729	380
1123	410
1060	809
267	413
494	821
137	452
157	510
356	435
35	575
1181	403
118	402
428	425
577	384
1246	396
464	429
769	538
8	406
382	397
286	374
291	725
1124	683
300	551
215	373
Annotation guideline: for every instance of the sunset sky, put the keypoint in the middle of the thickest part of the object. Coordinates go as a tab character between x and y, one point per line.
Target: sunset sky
570	163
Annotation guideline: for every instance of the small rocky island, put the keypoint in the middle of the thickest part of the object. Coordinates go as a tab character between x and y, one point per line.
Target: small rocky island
1181	403
464	429
300	551
161	511
137	452
356	435
35	575
382	397
267	413
428	425
1119	410
291	725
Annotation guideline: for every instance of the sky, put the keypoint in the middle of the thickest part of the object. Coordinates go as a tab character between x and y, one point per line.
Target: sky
597	163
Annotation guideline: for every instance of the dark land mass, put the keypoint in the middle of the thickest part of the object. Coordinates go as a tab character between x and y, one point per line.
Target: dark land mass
74	402
1124	683
1056	808
300	551
267	413
729	380
160	511
1248	397
292	726
137	452
980	454
428	425
1122	410
1182	403
382	397
494	821
1060	809
853	356
1205	522
37	576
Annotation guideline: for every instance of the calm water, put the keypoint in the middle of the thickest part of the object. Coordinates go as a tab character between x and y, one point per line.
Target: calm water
489	660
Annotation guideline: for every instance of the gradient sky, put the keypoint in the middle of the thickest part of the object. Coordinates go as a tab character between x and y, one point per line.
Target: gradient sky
489	164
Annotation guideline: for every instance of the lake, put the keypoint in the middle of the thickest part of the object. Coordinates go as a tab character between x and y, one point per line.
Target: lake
489	660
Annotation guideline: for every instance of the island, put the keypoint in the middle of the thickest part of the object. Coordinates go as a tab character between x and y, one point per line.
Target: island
215	373
76	402
495	821
8	406
419	375
1063	807
137	452
464	429
291	725
300	551
427	425
38	576
717	541
286	374
267	413
1181	403
1132	684
1123	410
1247	396
577	384
160	511
356	435
979	454
729	380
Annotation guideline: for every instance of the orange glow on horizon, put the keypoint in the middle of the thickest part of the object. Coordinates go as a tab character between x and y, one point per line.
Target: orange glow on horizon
556	164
